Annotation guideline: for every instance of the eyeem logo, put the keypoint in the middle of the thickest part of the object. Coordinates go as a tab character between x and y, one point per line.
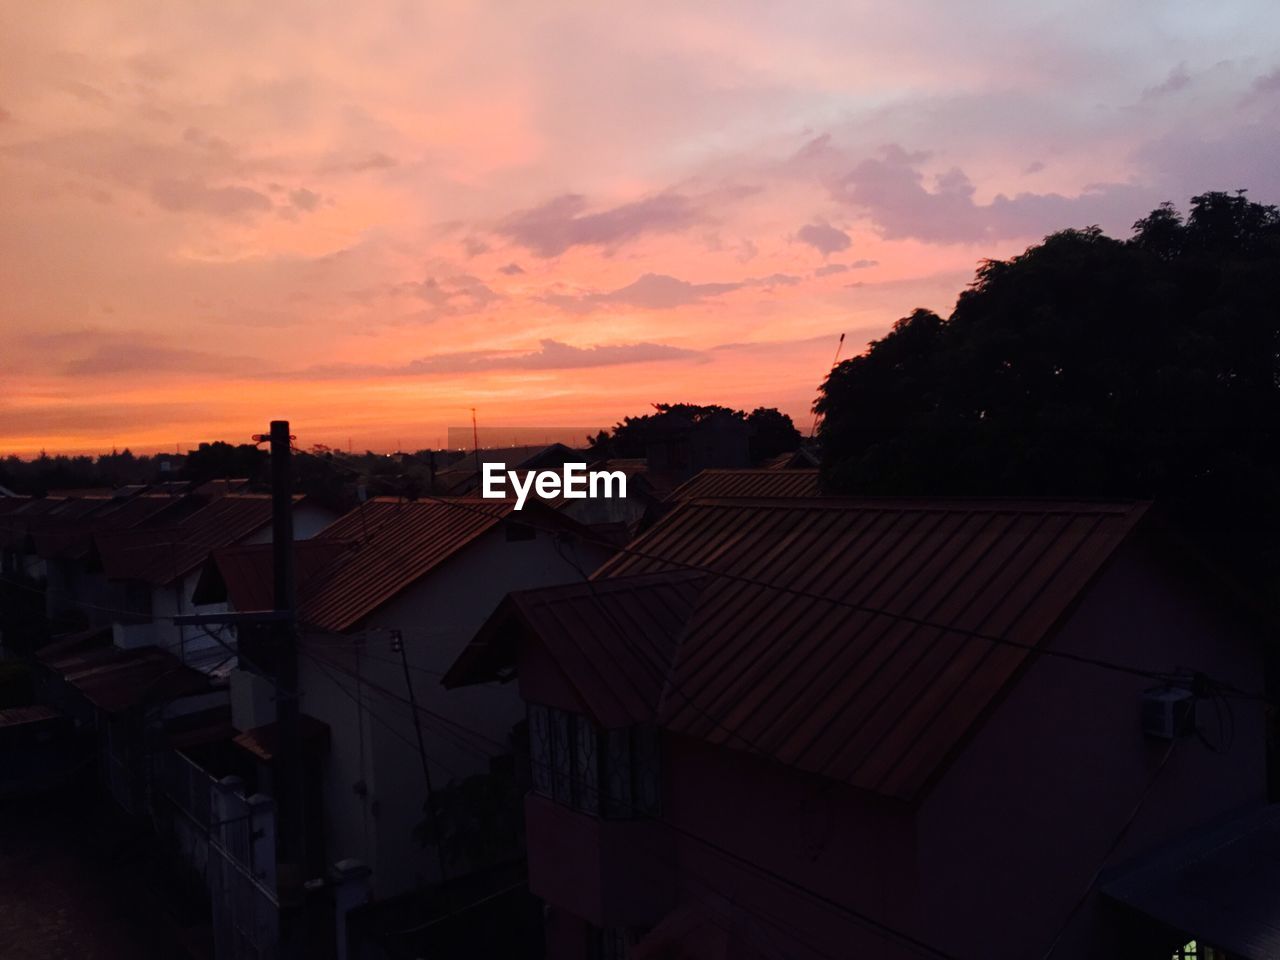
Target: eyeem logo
572	482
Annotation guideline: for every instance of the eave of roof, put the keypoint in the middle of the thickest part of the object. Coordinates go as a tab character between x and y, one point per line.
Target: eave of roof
160	555
117	680
614	640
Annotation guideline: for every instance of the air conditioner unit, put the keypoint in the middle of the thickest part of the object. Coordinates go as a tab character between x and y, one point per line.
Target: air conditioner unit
1168	713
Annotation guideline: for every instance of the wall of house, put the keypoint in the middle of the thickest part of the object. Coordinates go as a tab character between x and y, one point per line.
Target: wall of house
196	645
437	617
1033	804
726	807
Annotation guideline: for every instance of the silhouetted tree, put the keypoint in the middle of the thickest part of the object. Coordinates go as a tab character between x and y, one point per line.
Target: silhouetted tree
772	433
221	460
1091	366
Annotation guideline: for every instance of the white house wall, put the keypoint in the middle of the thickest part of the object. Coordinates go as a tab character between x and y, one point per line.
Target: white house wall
437	617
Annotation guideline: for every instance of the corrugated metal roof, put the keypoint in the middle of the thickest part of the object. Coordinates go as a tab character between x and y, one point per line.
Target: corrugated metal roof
71	644
615	639
261	741
243	575
162	554
218	488
68	538
462	476
24	716
115	680
397	542
748	484
869	698
1220	887
17	524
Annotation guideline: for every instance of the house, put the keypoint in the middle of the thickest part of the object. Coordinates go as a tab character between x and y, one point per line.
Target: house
18	556
387	597
119	698
895	728
75	586
155	568
129	566
152	695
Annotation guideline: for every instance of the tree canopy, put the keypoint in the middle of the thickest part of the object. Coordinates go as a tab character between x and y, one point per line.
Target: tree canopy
772	432
1090	366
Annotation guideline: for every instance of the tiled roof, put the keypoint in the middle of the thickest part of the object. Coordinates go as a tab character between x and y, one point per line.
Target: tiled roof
841	640
748	484
161	554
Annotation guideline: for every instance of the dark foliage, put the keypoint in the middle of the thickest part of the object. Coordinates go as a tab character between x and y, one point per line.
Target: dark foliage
221	460
1089	366
38	476
772	431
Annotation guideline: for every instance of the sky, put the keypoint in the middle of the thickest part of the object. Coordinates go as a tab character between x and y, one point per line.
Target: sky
371	218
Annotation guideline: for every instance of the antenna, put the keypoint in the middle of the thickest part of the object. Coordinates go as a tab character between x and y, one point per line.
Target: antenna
834	360
475	442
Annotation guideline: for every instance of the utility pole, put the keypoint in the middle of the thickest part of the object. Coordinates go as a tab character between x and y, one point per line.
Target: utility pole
290	796
397	646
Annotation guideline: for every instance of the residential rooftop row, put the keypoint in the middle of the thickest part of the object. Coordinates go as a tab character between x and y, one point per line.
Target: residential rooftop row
730	717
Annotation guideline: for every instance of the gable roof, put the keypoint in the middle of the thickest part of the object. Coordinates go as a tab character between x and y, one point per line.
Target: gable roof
243	574
20	522
397	542
619	635
839	638
162	553
73	537
748	484
115	680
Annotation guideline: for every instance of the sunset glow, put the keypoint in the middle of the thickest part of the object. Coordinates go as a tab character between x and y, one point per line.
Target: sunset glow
371	218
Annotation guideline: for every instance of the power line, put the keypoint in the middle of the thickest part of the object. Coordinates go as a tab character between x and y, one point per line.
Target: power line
1111	848
391	728
834	601
801	888
446	724
806	594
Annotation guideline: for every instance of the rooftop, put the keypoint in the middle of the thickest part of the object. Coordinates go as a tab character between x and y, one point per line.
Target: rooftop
162	553
763	483
832	635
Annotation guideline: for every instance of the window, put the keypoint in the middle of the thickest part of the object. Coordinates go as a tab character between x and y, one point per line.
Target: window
613	773
1197	951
